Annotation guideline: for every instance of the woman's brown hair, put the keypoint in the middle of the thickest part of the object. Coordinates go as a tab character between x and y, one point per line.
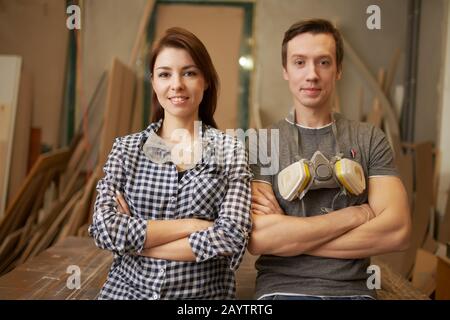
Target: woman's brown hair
182	39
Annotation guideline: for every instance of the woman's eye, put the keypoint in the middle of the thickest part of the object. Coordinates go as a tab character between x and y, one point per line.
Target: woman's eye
190	73
163	75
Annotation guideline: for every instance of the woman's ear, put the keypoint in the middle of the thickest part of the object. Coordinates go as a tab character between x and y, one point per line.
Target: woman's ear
206	86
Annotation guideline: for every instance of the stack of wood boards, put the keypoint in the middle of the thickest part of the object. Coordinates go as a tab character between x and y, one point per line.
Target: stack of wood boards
418	165
57	198
15	123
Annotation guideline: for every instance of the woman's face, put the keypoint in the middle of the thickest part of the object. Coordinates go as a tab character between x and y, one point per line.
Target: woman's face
178	83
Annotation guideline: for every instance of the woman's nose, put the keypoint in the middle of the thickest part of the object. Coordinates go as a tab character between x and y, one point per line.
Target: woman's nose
177	83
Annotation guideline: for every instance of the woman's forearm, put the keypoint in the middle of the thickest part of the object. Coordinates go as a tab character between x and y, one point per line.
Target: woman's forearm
178	250
164	231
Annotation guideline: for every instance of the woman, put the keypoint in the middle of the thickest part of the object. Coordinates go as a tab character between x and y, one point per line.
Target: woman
180	223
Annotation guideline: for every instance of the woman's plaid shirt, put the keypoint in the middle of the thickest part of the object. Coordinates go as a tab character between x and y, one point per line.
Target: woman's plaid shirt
217	188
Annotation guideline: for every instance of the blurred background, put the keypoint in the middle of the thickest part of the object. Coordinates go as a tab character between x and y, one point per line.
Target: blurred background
74	75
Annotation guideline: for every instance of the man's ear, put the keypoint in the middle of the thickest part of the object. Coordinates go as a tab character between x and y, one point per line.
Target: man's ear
339	74
285	74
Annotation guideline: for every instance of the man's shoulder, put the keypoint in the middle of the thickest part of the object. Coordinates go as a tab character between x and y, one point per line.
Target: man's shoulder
279	125
342	120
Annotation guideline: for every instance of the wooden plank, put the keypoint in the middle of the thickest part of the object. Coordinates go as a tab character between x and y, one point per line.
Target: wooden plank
443	279
246	277
11	221
76	183
3	147
51	159
7	249
21	140
82	215
405	165
424	274
81	211
126	108
112	109
444	225
140	35
55	161
9	89
375	115
137	117
35	147
54	227
364	70
45	276
422	202
391	71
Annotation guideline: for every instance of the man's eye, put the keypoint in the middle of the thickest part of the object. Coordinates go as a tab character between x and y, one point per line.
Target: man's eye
163	75
325	62
299	62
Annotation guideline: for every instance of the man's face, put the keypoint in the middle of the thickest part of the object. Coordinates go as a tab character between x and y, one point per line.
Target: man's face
311	70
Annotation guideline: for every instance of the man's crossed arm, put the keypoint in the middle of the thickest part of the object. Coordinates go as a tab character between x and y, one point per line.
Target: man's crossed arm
383	225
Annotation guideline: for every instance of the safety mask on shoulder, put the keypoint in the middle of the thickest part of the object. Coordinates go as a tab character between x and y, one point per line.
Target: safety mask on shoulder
318	173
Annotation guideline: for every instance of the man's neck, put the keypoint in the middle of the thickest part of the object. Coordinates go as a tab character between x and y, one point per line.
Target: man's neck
312	118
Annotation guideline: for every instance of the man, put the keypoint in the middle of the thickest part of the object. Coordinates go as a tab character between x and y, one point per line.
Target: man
317	244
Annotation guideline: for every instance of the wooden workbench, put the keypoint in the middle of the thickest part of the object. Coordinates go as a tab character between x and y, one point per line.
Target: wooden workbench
45	276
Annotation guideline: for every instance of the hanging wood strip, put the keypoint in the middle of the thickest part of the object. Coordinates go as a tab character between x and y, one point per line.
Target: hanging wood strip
10	67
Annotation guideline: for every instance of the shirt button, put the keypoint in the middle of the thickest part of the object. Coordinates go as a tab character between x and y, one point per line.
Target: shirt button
161	271
155	296
173	199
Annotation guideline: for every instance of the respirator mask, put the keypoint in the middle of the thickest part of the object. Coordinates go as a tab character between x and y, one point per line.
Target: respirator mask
320	172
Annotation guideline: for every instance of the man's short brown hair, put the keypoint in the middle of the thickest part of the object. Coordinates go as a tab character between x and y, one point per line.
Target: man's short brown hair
314	26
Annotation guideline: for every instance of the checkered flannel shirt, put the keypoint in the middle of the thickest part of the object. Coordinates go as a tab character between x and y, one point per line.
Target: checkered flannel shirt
217	188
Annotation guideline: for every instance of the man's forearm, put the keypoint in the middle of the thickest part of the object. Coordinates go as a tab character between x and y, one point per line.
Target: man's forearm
381	235
178	250
389	231
290	236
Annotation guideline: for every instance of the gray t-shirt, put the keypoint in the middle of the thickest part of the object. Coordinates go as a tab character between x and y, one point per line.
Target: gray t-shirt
305	274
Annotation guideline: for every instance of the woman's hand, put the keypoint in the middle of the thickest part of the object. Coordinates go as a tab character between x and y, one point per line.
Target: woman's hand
122	204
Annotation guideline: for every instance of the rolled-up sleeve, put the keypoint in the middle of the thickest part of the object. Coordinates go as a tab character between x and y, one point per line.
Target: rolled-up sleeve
230	232
110	229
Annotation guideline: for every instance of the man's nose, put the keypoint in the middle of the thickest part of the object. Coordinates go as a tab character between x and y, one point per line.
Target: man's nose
311	74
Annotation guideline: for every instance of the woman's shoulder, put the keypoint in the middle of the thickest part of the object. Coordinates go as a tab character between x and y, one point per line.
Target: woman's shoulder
131	141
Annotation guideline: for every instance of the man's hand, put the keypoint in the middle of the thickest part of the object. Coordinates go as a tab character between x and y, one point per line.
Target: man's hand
263	199
368	212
